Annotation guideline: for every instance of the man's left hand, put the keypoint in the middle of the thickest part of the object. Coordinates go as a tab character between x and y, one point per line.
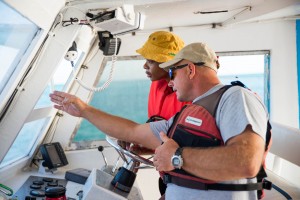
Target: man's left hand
164	153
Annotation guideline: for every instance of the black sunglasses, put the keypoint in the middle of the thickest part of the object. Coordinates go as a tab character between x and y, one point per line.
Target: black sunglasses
172	69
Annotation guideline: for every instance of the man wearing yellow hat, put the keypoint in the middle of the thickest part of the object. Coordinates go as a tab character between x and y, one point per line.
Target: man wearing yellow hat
161	47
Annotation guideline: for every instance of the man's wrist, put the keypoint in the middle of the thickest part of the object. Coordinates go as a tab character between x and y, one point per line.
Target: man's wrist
177	159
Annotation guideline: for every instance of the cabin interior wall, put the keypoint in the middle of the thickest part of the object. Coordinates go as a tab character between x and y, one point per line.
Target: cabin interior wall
249	37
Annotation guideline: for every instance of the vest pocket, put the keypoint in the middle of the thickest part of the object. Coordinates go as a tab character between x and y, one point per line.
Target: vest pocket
185	138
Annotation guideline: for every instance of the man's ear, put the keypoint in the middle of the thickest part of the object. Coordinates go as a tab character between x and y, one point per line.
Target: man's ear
192	70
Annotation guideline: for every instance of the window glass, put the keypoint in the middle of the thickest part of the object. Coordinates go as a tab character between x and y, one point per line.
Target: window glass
249	69
126	96
31	130
24	142
16	34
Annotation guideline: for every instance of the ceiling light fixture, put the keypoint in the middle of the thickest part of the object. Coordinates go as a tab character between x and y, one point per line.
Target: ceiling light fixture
210	12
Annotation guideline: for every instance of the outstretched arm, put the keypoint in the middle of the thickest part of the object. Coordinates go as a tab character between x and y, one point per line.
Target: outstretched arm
114	126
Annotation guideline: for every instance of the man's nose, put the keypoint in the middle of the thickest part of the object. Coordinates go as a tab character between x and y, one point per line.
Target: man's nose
146	66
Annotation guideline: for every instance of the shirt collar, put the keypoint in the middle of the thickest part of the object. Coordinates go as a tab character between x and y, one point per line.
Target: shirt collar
210	91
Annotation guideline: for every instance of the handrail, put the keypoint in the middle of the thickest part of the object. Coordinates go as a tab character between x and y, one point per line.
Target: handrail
6	190
281	191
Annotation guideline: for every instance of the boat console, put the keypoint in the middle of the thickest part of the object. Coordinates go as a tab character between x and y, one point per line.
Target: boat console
82	183
35	186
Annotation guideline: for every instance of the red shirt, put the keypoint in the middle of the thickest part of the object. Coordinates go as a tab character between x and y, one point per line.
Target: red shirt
162	100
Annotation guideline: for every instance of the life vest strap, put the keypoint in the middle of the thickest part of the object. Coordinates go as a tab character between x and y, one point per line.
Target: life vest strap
265	184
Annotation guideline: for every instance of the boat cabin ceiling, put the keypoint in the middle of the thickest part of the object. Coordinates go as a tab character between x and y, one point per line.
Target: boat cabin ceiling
160	13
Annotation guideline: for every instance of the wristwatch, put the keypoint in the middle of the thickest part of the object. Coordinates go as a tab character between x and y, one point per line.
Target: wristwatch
176	159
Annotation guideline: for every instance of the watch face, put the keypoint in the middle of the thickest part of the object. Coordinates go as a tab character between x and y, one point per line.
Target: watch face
176	161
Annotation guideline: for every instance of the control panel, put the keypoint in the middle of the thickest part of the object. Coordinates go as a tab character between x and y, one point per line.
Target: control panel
35	186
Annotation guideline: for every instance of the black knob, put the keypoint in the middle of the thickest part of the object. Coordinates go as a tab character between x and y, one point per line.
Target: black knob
90	15
44	164
100	148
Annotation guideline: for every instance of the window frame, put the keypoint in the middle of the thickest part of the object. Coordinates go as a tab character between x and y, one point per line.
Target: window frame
36	69
267	55
96	143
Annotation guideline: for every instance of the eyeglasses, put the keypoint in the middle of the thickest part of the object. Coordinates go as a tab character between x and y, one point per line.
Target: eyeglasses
172	69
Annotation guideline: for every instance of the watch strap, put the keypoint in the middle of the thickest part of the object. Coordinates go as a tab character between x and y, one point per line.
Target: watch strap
178	151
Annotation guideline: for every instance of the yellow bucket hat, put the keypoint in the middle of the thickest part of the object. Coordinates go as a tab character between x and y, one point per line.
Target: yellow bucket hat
161	46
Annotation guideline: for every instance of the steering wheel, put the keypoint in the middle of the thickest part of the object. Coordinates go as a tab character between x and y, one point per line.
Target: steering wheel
130	154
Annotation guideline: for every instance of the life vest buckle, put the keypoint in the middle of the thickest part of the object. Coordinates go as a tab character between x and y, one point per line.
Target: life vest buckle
267	184
167	179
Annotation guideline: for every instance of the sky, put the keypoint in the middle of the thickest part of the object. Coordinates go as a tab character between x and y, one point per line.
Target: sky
250	64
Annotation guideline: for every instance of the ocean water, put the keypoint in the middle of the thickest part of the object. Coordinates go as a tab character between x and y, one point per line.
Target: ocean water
129	99
254	82
122	98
